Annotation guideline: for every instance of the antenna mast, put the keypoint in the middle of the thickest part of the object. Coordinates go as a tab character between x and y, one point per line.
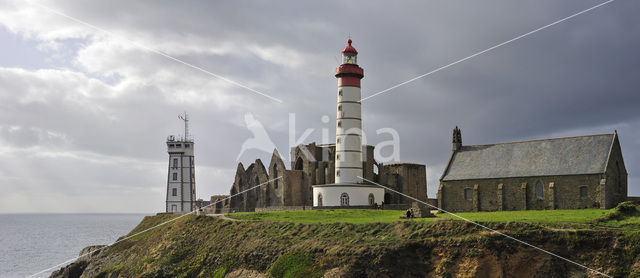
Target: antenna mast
185	118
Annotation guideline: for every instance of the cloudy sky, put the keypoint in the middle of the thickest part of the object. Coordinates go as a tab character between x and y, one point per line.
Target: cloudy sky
85	108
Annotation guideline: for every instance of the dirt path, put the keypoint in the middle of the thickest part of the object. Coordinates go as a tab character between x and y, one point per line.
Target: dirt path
222	216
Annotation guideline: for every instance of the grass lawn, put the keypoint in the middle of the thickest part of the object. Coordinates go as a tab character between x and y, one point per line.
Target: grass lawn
361	216
355	216
538	216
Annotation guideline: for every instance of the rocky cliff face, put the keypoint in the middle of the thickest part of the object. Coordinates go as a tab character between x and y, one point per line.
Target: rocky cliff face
201	246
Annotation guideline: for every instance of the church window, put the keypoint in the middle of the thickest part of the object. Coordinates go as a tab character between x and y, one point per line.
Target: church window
539	190
175	176
174	192
344	199
468	193
583	191
372	199
175	163
319	199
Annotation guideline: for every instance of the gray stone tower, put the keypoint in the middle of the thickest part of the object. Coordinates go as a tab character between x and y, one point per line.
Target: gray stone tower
181	183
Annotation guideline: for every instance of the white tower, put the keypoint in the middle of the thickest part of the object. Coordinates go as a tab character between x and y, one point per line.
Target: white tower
349	121
348	190
181	183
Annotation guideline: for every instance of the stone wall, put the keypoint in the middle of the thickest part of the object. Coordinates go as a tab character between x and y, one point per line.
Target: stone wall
558	192
408	178
615	183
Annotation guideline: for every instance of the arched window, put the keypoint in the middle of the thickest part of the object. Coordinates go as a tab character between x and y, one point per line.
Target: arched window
583	191
468	193
539	190
298	163
344	199
319	199
275	176
267	197
372	199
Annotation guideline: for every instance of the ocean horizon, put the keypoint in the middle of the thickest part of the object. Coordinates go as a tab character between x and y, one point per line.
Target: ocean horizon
32	242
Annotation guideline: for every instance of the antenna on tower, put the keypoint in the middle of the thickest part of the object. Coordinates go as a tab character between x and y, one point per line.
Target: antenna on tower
185	118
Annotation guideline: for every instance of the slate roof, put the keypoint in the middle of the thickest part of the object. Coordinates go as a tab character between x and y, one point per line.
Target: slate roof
548	157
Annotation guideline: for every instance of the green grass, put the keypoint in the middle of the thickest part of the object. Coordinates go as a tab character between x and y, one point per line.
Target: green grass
354	216
294	264
363	216
582	216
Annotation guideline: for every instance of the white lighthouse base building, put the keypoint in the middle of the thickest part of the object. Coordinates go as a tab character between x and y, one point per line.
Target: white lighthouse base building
347	195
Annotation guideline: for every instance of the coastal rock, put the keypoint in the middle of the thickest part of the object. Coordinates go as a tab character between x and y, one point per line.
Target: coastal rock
76	268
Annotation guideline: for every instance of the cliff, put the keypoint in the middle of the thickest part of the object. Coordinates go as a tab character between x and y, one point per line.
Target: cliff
205	246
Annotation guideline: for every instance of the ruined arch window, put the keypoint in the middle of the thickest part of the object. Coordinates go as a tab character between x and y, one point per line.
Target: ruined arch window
468	193
583	191
319	199
275	176
539	190
372	199
174	192
344	199
298	164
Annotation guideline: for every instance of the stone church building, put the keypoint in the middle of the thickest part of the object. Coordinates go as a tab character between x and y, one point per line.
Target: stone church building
312	165
560	173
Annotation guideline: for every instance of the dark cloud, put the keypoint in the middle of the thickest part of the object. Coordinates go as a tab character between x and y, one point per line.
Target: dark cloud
106	101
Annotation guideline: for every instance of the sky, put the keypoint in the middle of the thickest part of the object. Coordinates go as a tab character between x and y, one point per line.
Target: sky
89	92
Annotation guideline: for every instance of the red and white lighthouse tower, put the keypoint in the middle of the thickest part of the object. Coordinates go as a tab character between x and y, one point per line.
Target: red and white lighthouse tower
349	119
348	190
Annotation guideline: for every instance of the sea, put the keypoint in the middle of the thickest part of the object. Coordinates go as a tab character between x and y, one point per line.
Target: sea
30	243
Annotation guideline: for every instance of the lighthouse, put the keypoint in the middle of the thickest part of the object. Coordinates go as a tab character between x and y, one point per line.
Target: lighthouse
349	190
349	118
